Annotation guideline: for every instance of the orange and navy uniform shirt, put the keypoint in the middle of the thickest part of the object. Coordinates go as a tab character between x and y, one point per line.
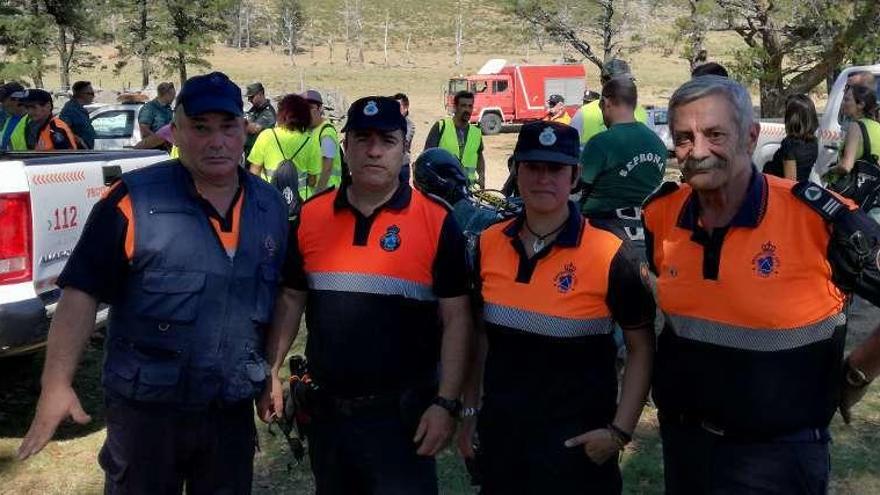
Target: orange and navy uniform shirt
56	135
101	259
755	324
373	285
550	318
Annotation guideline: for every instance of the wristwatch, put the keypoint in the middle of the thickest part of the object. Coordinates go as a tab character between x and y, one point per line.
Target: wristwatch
452	406
856	377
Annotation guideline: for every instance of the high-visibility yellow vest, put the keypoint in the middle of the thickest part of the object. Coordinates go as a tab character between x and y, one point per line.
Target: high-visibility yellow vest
593	123
327	129
469	153
17	141
873	128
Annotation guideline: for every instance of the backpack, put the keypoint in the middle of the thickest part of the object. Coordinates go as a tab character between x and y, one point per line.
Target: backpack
862	184
285	178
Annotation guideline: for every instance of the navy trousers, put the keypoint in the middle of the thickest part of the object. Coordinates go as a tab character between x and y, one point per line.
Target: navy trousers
699	462
158	450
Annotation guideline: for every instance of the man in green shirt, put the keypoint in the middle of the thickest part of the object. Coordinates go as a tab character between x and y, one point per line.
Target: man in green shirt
260	116
624	164
157	112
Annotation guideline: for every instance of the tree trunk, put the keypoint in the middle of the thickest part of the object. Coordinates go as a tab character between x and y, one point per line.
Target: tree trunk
348	32
142	32
385	44
238	30
64	57
697	36
247	27
291	47
459	35
359	20
181	66
772	86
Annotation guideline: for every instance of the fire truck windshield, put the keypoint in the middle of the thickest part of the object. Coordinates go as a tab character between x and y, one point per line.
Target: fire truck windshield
456	85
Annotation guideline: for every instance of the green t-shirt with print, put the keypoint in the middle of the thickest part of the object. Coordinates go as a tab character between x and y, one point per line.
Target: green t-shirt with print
624	164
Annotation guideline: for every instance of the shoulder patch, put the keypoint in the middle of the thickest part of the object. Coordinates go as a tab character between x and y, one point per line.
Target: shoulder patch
665	189
820	200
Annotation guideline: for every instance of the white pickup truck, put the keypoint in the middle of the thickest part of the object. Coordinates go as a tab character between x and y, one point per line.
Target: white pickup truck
116	126
45	199
830	133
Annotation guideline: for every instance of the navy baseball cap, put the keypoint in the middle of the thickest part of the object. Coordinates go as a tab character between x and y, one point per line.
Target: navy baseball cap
7	90
212	92
39	96
375	112
547	142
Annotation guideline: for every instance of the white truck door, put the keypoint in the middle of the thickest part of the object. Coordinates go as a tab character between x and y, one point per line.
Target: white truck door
63	191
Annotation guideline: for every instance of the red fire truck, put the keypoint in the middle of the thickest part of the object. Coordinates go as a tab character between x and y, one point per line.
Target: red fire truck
514	94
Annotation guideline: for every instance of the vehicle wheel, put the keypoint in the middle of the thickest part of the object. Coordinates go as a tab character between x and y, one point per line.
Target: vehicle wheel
491	123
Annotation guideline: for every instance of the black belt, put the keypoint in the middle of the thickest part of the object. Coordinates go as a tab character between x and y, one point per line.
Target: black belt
354	406
328	403
796	436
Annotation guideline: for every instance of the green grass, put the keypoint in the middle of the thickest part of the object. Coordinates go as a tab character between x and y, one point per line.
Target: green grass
69	464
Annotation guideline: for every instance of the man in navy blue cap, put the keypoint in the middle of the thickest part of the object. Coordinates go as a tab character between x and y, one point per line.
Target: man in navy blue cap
379	269
187	253
551	287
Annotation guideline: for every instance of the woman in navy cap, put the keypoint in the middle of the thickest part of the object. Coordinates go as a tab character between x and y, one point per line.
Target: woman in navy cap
551	287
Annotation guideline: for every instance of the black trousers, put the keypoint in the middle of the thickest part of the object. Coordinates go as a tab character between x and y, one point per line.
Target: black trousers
522	456
157	450
698	462
370	450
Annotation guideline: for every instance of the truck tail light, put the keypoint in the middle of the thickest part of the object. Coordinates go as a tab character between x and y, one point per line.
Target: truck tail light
16	239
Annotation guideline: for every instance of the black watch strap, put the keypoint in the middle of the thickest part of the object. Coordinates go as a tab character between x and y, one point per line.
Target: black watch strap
452	406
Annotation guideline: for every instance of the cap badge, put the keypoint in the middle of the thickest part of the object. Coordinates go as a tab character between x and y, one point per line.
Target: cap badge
371	108
547	137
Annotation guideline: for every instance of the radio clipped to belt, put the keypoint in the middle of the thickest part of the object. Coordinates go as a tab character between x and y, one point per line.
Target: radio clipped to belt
298	401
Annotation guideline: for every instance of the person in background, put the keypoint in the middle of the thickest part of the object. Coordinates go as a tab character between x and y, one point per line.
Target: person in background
323	149
286	141
556	110
709	69
44	131
588	120
403	100
860	107
797	153
624	164
461	138
12	133
862	78
76	116
261	114
163	138
157	112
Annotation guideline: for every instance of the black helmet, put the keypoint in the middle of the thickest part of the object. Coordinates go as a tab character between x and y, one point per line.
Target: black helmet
439	172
